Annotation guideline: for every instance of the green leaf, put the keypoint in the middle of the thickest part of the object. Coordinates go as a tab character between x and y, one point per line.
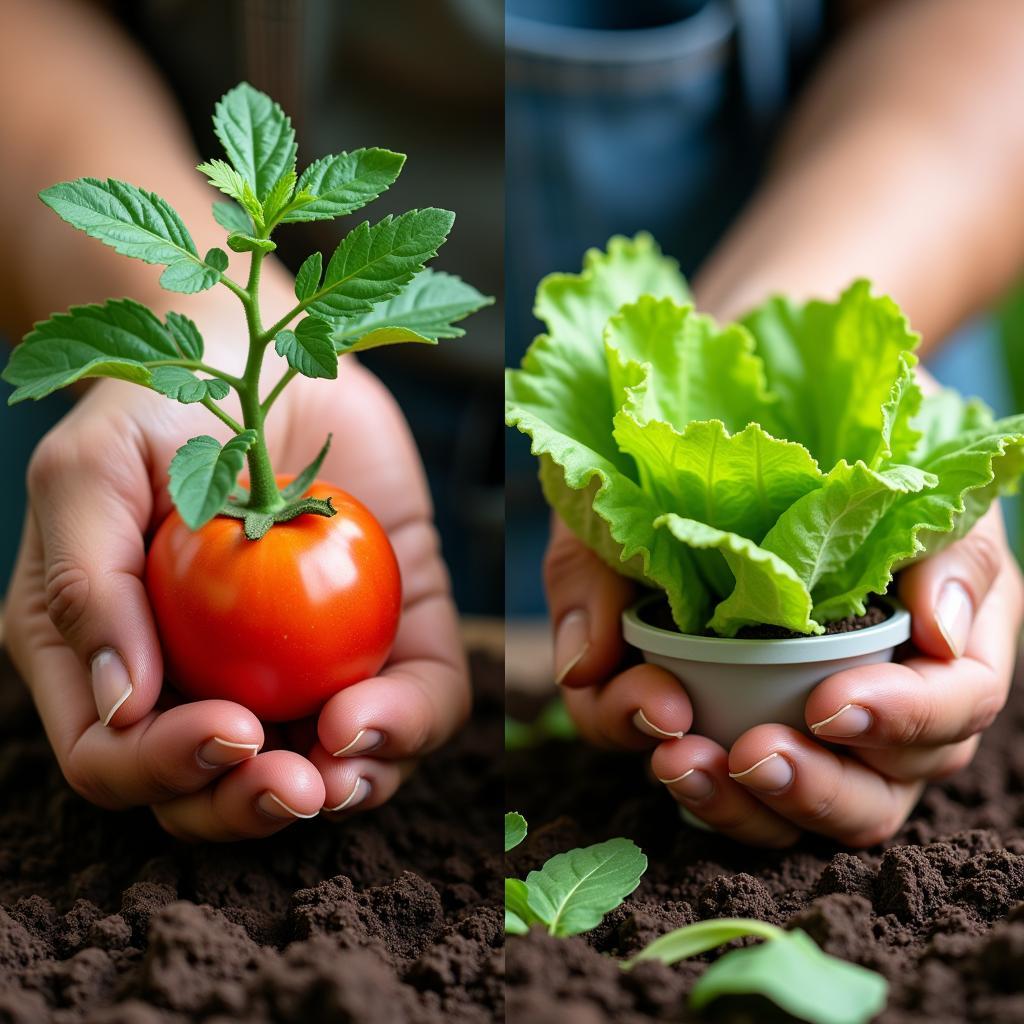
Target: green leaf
182	384
309	348
764	589
346	182
221	175
740	483
279	196
515	830
185	335
693	939
257	136
797	976
230	217
115	339
822	531
307	280
698	370
573	891
202	474
518	915
134	223
373	263
239	242
832	365
899	434
298	487
424	311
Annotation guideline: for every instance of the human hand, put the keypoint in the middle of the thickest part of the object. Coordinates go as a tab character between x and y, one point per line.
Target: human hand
901	724
76	603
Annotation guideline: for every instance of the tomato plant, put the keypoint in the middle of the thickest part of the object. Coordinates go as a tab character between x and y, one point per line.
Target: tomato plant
281	625
278	594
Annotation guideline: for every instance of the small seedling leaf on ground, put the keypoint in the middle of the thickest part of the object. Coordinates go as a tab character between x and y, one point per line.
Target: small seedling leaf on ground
573	891
515	830
787	967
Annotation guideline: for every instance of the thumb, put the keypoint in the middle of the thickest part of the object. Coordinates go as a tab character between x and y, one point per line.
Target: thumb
586	599
943	593
91	506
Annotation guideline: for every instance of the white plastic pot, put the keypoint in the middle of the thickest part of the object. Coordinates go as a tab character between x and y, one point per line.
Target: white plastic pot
734	685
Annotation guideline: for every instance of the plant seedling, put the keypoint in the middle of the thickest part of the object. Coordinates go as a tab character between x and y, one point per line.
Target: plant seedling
312	604
786	967
775	471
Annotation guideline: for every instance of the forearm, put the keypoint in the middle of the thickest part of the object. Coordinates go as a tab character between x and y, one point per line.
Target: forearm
102	112
903	163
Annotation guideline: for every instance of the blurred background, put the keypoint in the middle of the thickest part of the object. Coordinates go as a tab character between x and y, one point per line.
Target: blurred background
425	79
660	115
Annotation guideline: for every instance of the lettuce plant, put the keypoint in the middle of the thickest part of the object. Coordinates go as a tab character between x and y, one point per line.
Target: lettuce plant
774	471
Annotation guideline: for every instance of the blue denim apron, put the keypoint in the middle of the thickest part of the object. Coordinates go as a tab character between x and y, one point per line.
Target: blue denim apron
656	115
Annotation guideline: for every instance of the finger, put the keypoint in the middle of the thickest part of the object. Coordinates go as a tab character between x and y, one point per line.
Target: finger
926	701
91	499
637	709
358	783
257	798
818	790
944	592
695	771
417	702
164	755
586	599
929	764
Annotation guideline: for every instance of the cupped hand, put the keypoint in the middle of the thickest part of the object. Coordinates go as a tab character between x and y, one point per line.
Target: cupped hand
80	630
890	728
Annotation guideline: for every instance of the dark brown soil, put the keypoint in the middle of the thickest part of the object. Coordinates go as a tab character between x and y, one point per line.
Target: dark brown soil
658	614
392	917
938	911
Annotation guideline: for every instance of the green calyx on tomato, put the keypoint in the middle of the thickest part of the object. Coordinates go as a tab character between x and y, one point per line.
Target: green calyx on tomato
374	290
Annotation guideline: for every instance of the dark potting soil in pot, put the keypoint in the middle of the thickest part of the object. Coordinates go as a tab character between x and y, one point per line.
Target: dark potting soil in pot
658	614
392	917
938	911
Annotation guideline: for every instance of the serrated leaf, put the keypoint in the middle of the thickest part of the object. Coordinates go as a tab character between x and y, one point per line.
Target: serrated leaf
221	175
202	474
216	258
130	220
573	891
373	263
425	310
232	218
345	182
257	136
184	386
279	196
188	277
185	335
298	487
797	976
115	339
515	830
238	242
307	280
309	348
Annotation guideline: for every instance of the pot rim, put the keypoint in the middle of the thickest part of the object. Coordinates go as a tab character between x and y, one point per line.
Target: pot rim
799	650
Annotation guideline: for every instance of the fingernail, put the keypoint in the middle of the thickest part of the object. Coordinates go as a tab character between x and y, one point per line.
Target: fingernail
572	641
362	743
218	753
645	725
111	684
849	720
953	615
360	791
274	807
692	784
769	775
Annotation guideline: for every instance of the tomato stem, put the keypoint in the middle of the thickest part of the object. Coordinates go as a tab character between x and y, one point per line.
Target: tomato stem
264	495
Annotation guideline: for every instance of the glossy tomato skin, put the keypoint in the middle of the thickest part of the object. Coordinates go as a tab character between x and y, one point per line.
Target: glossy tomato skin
280	624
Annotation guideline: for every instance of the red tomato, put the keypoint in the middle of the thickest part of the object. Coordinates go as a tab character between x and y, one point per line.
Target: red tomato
278	624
